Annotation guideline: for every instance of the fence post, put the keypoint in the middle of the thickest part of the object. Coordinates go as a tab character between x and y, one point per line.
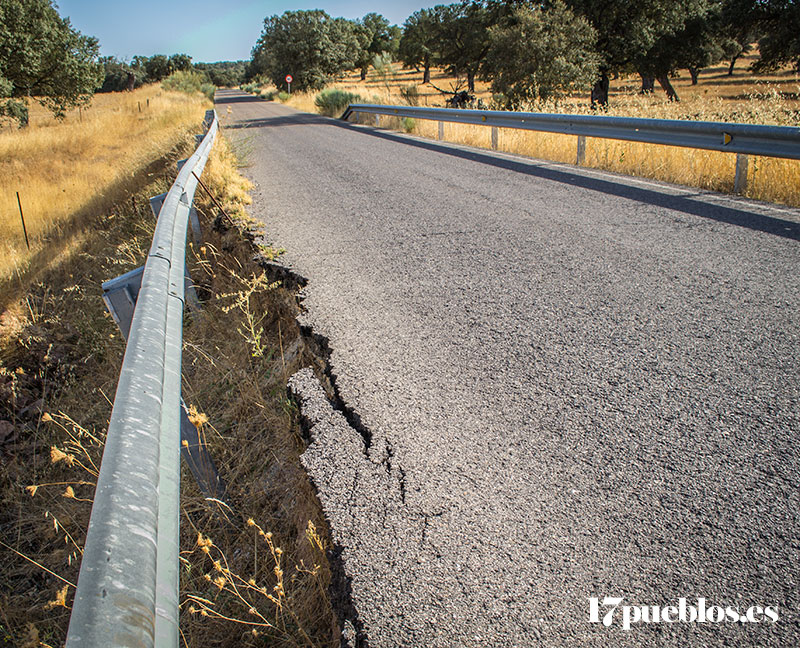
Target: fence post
494	138
581	157
740	181
22	218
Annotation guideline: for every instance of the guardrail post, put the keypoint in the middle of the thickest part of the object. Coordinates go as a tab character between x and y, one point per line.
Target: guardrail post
494	138
377	121
156	202
581	157
740	181
197	233
441	131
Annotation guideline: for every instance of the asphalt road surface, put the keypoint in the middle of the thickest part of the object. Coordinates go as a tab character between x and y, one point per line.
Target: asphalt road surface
557	384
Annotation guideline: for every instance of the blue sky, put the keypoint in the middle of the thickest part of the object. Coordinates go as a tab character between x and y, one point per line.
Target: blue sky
207	31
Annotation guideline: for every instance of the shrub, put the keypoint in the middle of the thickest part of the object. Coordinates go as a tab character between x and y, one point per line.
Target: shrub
283	96
333	102
252	88
189	81
409	124
269	95
410	95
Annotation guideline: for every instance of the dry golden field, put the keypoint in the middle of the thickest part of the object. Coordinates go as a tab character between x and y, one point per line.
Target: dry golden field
743	98
64	170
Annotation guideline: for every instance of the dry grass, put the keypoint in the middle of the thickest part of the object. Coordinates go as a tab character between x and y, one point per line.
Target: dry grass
68	169
60	355
743	98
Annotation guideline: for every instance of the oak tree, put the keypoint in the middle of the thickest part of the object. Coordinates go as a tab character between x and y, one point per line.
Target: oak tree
541	53
43	57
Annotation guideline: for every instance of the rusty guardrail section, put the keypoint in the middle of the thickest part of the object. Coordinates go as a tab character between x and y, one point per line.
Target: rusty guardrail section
128	584
742	139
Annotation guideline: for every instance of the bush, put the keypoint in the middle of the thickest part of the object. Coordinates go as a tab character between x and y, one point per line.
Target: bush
410	95
333	102
14	110
120	76
269	95
409	124
252	88
283	96
189	81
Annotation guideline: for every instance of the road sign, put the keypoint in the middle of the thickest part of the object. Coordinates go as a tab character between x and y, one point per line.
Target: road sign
289	78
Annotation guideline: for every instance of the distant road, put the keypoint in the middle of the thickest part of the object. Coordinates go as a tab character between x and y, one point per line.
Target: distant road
566	384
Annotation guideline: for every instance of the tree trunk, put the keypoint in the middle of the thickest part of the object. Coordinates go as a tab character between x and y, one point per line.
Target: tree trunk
471	81
426	75
730	67
131	82
364	73
648	84
600	92
694	72
663	81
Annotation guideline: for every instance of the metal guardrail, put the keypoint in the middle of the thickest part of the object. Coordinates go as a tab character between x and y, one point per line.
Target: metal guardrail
127	591
742	139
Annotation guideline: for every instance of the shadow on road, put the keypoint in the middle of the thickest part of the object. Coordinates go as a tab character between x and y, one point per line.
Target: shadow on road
686	204
230	97
301	119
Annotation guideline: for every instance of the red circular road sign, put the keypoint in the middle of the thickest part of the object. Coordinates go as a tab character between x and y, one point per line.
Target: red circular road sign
289	78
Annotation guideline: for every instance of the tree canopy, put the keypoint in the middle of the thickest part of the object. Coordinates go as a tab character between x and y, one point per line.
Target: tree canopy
541	54
462	31
43	57
628	29
780	42
375	36
419	42
309	45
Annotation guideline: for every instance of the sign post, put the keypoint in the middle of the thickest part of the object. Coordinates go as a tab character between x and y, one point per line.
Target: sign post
289	79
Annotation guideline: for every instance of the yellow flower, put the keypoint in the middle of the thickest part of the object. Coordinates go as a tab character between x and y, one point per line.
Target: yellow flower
60	600
57	455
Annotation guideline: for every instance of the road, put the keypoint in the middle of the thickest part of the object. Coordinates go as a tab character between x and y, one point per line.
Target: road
553	384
